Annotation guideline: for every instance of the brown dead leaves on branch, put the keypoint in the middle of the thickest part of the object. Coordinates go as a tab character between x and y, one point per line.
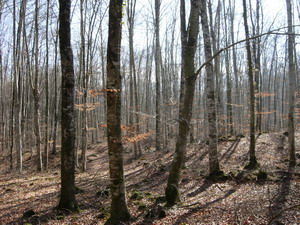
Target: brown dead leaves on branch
265	113
132	138
94	92
264	94
87	106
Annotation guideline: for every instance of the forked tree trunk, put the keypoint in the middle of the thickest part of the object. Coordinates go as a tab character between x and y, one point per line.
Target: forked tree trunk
119	211
186	105
133	81
214	168
67	191
253	161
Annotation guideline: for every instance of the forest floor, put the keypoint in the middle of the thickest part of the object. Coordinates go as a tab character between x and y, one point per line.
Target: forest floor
244	198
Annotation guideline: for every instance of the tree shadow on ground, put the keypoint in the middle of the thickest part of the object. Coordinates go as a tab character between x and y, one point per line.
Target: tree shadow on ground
276	211
196	209
202	188
226	156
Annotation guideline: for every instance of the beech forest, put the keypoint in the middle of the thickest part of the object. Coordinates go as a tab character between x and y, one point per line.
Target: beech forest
153	112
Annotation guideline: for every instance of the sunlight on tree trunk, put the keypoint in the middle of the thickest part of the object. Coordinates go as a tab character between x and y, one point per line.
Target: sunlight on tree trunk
118	212
67	191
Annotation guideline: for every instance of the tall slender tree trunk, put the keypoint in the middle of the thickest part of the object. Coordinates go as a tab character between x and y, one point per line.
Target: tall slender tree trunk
157	76
185	107
214	167
67	191
237	98
292	80
253	161
19	88
84	77
119	211
228	79
36	92
55	100
134	101
2	123
46	147
13	88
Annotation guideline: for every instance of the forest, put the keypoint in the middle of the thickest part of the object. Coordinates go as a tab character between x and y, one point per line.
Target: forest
149	112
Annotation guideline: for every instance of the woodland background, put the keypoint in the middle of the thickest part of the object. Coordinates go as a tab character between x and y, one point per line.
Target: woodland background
151	69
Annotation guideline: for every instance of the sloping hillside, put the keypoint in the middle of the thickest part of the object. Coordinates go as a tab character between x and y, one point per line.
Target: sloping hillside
243	198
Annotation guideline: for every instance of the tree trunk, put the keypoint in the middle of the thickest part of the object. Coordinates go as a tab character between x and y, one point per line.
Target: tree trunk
157	75
253	162
46	147
84	87
228	80
55	100
36	93
119	210
214	168
292	80
67	192
133	83
185	107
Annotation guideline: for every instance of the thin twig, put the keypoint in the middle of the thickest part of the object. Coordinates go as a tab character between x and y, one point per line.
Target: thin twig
282	211
239	42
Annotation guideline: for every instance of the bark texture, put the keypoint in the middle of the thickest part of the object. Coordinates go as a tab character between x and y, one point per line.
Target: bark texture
67	194
292	81
186	103
253	161
214	167
157	76
119	211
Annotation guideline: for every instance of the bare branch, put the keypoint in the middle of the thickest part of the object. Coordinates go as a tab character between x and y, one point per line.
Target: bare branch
241	41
